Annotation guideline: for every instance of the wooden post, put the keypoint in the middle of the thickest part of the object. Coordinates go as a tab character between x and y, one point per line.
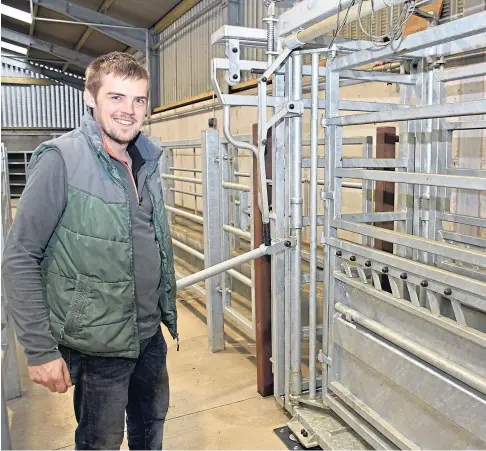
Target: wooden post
386	139
262	283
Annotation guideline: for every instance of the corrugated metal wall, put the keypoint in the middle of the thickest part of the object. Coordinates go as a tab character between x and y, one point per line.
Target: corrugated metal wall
32	106
186	52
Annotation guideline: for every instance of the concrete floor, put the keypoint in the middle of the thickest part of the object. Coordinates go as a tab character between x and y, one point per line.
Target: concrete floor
214	403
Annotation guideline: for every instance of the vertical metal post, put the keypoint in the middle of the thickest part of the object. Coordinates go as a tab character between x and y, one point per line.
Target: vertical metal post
194	174
407	153
224	212
367	191
236	205
279	228
296	216
420	213
332	195
313	224
154	70
167	161
437	157
213	229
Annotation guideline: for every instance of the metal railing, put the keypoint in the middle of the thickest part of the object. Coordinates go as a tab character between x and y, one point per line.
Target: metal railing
10	373
226	218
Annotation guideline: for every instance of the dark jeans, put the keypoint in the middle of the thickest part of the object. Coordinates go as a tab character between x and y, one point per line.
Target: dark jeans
106	387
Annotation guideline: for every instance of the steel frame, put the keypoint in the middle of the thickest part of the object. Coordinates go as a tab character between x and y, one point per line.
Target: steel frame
226	219
421	346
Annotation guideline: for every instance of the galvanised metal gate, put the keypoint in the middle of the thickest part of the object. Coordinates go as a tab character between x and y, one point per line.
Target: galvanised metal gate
404	367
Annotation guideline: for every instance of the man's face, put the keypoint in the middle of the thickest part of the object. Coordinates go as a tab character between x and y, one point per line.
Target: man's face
119	107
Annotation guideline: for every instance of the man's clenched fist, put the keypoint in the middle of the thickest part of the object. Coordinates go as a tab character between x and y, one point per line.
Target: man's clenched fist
53	375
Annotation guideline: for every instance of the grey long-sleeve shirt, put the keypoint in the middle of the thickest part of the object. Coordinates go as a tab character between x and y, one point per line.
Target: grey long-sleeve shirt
38	213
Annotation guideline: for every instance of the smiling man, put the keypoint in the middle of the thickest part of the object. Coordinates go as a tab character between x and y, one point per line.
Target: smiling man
88	265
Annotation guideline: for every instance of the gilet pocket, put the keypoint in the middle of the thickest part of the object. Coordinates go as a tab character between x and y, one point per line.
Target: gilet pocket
79	302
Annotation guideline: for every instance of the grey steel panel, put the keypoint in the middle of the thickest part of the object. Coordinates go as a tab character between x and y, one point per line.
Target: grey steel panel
381	376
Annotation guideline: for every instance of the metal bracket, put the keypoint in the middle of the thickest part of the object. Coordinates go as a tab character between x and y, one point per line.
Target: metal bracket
327	195
281	245
322	358
233	76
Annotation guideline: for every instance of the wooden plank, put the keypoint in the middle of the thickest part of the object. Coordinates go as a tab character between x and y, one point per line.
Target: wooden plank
415	23
26	81
262	284
174	14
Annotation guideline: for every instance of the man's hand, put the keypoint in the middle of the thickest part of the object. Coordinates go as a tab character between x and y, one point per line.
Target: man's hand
53	375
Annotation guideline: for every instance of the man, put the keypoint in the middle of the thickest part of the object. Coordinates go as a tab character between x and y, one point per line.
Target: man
88	265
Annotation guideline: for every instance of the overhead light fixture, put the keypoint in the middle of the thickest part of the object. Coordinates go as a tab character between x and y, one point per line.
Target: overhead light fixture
13	48
15	13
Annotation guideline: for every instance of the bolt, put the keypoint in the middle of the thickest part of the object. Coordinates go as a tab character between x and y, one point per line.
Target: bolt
264	142
339	253
403	275
424	283
235	76
291	106
234	50
287	243
367	263
296	447
304	433
264	79
353	258
384	269
447	291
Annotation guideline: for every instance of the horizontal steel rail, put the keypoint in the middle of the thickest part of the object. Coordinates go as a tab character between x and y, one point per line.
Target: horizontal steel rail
193	170
236	186
239	318
462	73
462	219
185	214
188	249
181	191
416	178
423	244
238	232
413	113
182	179
240	277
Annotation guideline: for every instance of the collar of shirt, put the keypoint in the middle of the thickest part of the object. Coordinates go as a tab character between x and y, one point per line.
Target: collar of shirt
137	159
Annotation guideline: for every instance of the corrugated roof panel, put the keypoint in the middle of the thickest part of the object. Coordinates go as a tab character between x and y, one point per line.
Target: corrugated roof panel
34	106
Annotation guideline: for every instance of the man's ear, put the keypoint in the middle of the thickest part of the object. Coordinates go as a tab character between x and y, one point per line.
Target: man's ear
89	100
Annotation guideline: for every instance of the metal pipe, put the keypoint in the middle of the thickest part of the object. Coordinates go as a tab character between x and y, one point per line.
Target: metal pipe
236	186
313	225
182	179
238	276
197	171
88	24
301	37
188	249
174	190
459	372
296	230
184	214
237	232
221	267
231	139
242	174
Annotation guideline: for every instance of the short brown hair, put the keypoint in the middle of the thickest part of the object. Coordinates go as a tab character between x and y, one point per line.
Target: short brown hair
117	63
